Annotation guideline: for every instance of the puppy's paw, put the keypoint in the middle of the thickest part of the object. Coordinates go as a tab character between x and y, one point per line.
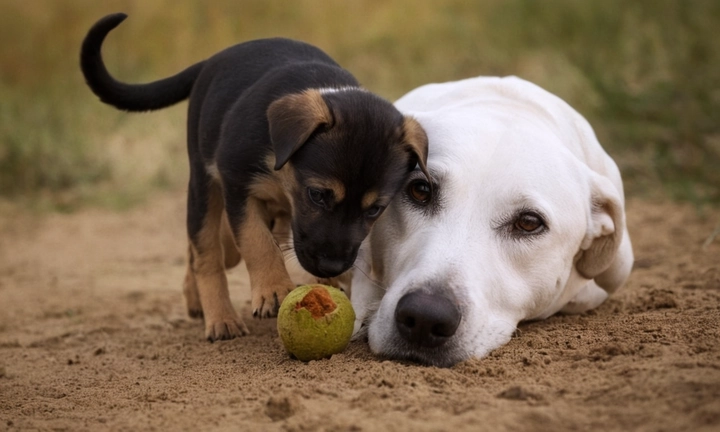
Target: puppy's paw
225	328
266	304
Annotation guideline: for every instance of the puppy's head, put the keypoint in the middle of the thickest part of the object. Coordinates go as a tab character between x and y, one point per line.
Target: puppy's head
344	154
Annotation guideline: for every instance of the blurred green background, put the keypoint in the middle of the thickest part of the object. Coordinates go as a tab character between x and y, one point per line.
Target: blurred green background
646	73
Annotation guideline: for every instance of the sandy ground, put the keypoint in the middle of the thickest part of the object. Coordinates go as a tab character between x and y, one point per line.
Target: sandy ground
94	336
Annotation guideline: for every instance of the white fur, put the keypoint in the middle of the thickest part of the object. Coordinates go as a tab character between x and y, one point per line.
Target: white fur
497	145
327	90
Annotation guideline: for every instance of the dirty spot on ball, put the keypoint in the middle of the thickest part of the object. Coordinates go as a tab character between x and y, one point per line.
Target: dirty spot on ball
318	302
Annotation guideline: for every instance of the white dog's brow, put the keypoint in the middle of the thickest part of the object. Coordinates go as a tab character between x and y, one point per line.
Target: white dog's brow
437	176
515	201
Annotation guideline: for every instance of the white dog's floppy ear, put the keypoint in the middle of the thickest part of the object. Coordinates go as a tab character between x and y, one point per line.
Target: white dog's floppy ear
292	119
605	230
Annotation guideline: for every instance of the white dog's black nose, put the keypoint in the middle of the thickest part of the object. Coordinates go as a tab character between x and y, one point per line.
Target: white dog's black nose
427	320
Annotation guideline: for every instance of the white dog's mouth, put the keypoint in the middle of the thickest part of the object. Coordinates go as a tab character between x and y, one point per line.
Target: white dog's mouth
431	357
446	355
425	328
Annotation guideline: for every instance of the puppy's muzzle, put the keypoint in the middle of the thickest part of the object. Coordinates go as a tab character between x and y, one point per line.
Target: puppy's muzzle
326	260
328	266
426	320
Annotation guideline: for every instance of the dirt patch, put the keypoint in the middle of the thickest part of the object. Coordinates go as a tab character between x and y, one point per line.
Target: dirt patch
94	336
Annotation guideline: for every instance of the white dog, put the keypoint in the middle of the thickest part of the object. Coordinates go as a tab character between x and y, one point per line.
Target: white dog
524	218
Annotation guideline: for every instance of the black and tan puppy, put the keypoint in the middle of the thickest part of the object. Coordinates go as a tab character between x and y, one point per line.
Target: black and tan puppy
275	129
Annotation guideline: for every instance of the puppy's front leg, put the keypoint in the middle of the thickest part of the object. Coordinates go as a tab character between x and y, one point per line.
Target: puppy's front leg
269	278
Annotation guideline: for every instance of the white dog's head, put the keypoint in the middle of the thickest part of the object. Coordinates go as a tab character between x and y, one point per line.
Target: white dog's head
524	218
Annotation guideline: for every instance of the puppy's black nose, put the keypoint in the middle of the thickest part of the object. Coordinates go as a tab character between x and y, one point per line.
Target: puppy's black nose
427	320
327	267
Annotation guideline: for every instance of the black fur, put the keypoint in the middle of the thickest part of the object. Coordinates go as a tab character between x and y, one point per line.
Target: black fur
159	94
363	145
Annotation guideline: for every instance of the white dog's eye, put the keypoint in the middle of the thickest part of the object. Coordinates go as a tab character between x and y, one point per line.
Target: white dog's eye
419	191
528	223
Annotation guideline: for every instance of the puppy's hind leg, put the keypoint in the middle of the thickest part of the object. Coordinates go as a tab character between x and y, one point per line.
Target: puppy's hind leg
206	267
190	290
231	257
230	249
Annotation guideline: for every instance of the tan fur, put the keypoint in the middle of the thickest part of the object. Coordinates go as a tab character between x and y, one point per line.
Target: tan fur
417	140
269	279
270	190
369	199
303	106
336	186
268	201
205	287
292	119
190	290
313	102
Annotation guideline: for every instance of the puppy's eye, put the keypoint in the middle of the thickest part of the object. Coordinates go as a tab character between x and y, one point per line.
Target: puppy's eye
374	211
528	223
317	197
419	191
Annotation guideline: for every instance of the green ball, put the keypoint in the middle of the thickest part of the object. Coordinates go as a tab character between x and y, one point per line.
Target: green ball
315	321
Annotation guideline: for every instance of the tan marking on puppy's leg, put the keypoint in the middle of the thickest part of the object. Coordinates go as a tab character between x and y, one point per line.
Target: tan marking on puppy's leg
190	290
230	250
208	266
269	279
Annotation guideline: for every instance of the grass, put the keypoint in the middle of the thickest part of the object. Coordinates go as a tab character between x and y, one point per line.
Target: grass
645	73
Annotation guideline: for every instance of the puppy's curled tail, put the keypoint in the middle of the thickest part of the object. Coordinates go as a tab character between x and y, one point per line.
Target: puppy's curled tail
129	97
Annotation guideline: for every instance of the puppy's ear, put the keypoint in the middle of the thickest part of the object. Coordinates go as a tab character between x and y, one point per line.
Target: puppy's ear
292	119
416	141
606	227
